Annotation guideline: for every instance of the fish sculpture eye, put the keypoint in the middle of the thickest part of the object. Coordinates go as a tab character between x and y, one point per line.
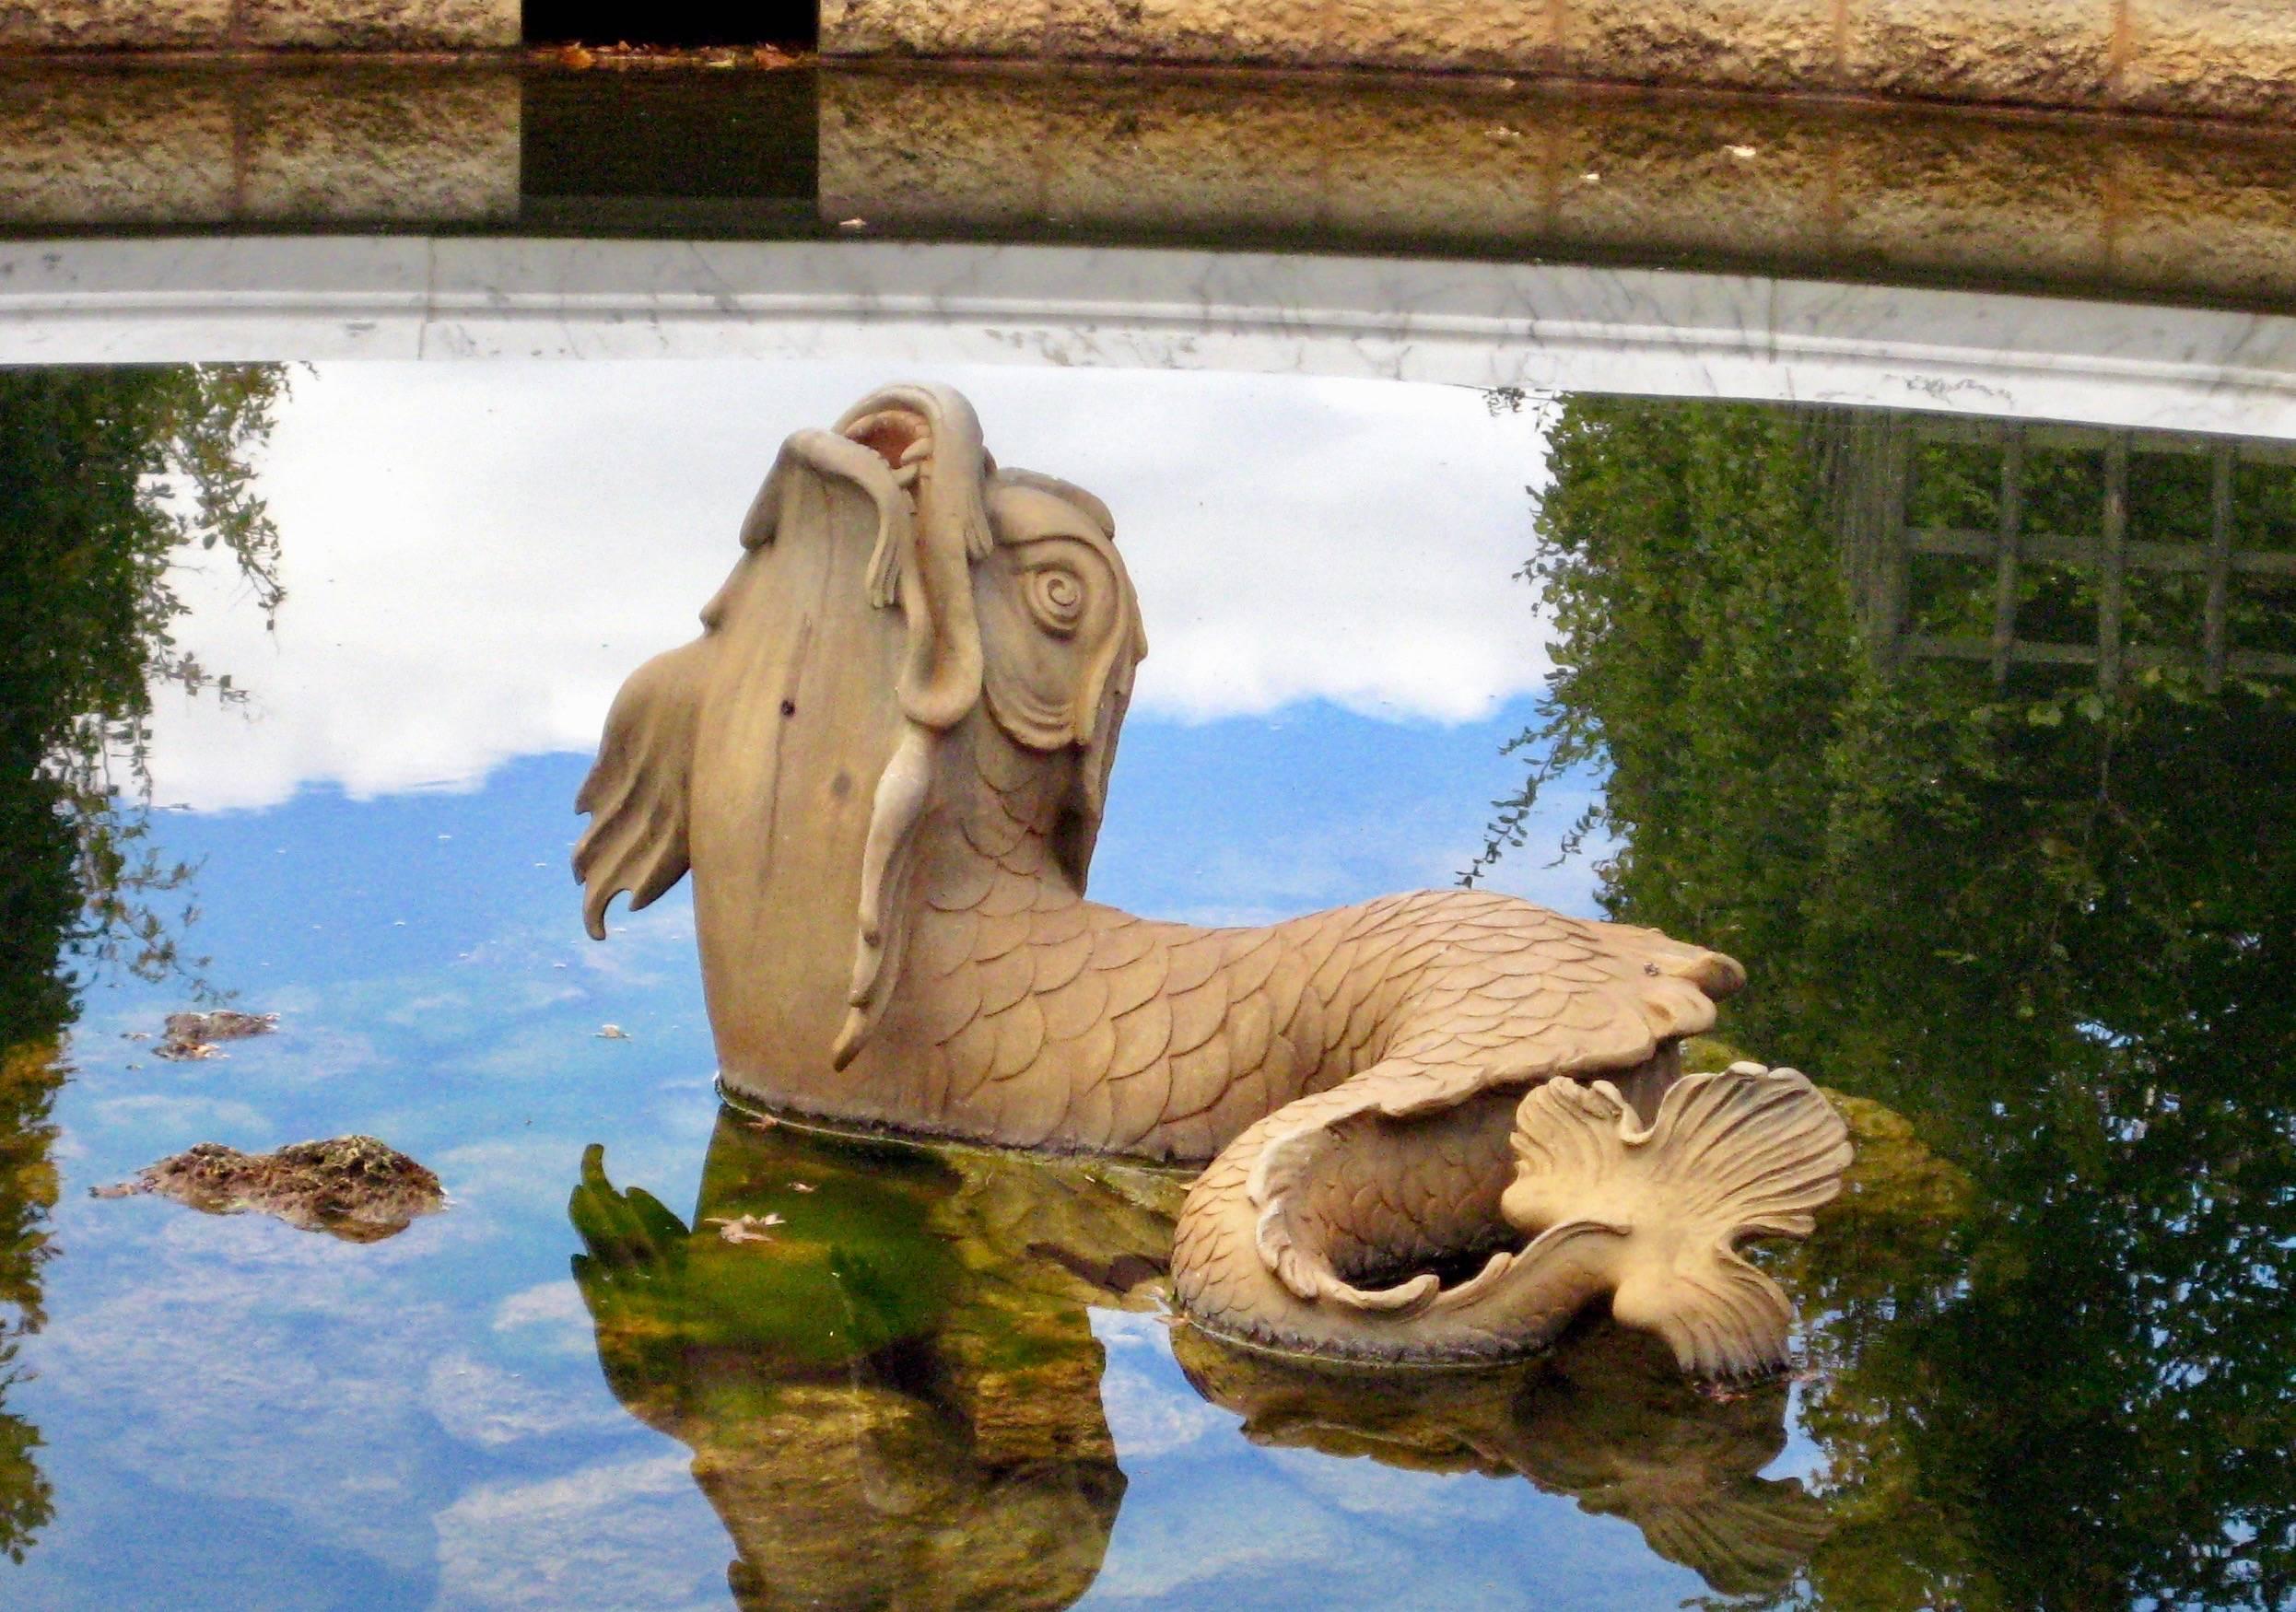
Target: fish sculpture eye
1056	596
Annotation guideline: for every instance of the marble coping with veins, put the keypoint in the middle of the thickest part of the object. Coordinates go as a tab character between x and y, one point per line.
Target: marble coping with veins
919	305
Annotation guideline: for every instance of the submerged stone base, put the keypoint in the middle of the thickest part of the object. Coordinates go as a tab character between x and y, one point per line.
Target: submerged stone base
2207	57
258	25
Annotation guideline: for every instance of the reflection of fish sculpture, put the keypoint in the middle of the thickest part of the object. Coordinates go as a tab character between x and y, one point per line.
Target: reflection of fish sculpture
897	1399
886	761
1599	1419
887	1405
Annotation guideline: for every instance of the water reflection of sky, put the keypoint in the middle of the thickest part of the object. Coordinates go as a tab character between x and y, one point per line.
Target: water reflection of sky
237	1414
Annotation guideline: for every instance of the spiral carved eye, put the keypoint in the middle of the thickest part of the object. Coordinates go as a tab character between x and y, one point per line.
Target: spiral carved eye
1056	598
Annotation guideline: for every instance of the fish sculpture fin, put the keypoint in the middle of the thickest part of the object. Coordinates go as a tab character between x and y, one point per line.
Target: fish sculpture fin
636	793
1660	1210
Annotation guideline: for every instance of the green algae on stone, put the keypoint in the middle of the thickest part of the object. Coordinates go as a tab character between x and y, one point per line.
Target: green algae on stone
898	1384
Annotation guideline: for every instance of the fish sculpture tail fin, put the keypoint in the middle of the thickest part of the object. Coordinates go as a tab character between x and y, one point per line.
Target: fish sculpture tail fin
636	792
1658	1210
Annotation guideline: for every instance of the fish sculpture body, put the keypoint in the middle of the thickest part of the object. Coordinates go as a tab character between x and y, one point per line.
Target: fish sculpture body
886	763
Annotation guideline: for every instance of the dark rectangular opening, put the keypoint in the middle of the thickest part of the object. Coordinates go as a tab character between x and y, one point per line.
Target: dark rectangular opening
713	154
790	24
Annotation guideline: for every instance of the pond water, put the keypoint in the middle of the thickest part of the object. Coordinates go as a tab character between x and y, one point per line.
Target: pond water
1971	736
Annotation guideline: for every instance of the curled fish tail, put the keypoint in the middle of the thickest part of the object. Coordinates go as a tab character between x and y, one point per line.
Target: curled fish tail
1661	1208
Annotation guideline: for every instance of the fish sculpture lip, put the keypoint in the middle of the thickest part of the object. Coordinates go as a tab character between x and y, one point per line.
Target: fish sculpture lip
886	762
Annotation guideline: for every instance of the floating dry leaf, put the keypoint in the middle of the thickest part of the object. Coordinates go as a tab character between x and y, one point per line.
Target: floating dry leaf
744	1228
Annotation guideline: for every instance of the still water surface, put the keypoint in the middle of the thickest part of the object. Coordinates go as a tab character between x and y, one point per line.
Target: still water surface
1973	743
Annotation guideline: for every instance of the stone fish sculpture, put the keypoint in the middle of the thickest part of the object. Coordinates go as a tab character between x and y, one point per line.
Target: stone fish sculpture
1438	1125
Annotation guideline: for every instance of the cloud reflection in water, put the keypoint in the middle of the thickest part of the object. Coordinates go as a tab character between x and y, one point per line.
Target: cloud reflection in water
476	559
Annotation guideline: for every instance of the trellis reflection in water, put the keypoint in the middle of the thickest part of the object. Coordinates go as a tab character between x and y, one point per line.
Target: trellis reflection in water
2038	904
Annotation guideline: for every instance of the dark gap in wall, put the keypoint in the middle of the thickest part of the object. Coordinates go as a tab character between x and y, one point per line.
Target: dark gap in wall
725	154
791	24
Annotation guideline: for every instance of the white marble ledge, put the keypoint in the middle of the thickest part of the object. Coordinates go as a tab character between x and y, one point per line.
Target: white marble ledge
916	305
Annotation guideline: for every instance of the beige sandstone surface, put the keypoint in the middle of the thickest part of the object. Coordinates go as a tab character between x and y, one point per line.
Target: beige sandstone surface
185	146
1949	193
212	25
2234	58
2216	58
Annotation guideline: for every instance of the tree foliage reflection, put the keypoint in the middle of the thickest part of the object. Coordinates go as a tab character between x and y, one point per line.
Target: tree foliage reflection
110	482
2051	922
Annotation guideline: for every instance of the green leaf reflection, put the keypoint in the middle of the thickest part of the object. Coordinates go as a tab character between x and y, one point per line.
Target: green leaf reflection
109	481
2046	910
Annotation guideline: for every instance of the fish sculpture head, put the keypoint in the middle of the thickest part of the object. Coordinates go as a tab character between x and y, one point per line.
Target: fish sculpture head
909	626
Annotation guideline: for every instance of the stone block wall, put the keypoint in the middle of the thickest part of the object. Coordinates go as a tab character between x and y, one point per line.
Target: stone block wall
1951	195
2230	58
258	25
180	148
2219	58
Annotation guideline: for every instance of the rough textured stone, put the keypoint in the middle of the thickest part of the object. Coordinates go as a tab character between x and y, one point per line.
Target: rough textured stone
113	24
378	150
1278	32
1769	44
114	149
2214	215
1739	178
980	167
2023	200
333	25
2233	57
931	27
1437	34
184	145
1446	34
1970	195
1168	157
353	1188
380	25
2056	53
